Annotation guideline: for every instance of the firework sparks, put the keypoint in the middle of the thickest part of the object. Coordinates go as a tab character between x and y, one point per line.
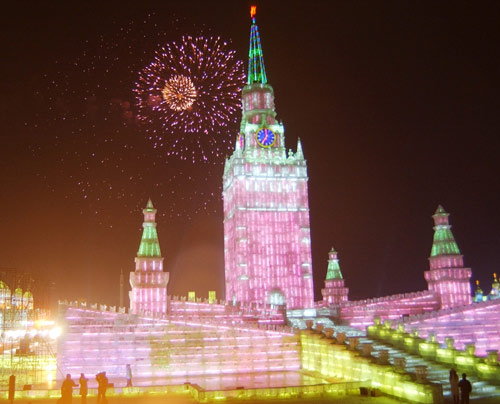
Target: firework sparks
188	97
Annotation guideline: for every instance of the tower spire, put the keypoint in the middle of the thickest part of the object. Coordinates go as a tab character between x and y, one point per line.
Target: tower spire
256	69
444	243
149	247
122	284
300	153
333	271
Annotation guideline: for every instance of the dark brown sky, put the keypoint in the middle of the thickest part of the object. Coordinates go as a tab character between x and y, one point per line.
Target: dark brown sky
396	104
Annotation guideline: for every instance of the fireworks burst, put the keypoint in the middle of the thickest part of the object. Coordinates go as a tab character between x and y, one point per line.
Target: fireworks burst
189	96
179	93
92	142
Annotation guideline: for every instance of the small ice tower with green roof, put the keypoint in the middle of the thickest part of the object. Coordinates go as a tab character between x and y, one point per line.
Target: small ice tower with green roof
478	294
149	282
447	275
335	290
495	287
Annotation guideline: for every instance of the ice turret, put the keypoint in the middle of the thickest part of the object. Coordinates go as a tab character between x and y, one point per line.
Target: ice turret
478	293
447	275
495	288
149	282
335	290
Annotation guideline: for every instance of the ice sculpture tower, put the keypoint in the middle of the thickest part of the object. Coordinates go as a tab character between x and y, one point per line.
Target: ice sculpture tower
149	282
335	291
267	242
447	275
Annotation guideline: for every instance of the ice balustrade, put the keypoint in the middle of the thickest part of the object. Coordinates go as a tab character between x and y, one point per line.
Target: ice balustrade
266	386
477	323
361	313
332	358
391	298
180	306
467	358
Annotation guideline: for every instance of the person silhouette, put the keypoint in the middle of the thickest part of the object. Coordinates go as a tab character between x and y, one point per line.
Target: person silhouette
129	375
83	387
67	389
102	385
465	389
454	385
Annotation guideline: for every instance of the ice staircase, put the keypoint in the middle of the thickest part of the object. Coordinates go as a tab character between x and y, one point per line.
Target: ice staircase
436	372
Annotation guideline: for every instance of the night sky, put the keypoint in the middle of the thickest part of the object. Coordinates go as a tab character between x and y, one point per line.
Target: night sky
396	104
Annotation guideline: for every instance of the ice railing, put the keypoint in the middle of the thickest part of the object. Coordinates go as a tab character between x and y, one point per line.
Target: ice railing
241	323
391	298
448	311
333	354
442	350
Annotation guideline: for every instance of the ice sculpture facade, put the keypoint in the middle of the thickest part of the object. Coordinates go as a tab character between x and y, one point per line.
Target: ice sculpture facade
97	340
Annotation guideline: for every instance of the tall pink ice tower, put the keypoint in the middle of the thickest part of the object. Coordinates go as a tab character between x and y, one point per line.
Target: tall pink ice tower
447	275
267	240
149	282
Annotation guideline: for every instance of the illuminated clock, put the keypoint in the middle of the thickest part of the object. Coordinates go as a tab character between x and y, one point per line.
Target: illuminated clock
265	137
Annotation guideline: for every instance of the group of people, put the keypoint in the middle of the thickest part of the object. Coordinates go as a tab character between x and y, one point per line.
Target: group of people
102	384
463	385
68	384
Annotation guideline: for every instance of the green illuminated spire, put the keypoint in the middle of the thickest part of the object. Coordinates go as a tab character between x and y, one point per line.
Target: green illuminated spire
444	243
256	70
150	247
333	271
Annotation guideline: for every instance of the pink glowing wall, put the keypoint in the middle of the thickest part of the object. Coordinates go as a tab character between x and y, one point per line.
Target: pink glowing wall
96	341
149	292
335	291
477	323
267	246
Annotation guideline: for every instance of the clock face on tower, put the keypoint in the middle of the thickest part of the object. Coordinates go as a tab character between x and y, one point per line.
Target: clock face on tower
265	137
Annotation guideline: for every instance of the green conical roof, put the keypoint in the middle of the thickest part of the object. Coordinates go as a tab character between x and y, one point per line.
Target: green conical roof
444	243
256	69
150	246
495	284
333	271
